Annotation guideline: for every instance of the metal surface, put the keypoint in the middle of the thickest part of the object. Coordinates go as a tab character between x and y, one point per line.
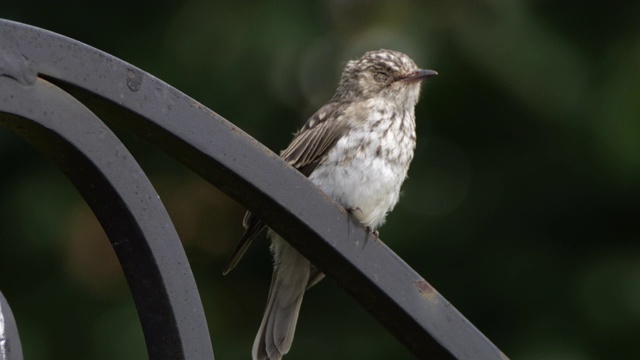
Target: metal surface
414	312
127	206
10	348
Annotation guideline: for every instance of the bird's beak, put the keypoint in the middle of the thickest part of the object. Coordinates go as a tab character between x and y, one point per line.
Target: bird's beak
419	75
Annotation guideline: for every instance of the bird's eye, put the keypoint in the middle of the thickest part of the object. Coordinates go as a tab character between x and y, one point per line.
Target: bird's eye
380	77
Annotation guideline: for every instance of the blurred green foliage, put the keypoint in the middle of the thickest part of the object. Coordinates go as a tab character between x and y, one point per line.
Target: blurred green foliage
522	205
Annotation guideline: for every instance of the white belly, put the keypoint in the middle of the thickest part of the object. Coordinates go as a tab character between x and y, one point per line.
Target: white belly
366	175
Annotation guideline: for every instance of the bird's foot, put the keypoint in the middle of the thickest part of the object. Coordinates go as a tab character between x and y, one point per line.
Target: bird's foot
353	209
375	232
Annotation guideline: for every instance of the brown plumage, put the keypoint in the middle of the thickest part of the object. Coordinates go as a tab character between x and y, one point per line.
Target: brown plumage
357	149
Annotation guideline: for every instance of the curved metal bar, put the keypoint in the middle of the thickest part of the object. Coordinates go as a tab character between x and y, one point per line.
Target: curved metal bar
386	286
10	348
127	206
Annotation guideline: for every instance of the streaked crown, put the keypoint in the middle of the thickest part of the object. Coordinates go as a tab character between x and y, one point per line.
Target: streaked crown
377	74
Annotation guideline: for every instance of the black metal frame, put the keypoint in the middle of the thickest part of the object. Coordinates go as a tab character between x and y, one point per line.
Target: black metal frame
54	91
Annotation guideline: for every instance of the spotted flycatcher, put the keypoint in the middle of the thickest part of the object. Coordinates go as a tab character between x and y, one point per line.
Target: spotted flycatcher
357	149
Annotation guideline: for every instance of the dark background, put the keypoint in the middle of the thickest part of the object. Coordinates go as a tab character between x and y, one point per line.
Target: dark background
521	207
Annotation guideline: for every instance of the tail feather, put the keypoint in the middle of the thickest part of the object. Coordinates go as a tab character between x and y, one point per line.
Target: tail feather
290	279
253	227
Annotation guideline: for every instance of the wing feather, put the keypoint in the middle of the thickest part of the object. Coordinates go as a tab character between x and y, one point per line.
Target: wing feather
307	150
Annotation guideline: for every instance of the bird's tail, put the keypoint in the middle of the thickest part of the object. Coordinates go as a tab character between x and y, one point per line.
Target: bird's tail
291	277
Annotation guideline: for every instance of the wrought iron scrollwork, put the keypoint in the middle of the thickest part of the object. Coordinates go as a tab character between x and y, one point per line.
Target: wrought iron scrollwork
55	91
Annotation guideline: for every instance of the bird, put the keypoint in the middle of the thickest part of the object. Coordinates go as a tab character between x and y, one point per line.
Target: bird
357	149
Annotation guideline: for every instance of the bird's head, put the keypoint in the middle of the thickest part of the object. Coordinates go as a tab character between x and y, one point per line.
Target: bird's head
387	74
